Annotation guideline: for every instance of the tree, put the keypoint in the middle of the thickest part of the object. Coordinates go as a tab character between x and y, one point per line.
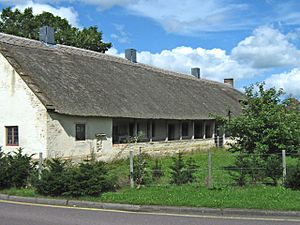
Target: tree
268	124
27	25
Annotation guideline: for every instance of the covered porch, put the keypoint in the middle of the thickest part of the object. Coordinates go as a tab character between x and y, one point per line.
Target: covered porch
150	130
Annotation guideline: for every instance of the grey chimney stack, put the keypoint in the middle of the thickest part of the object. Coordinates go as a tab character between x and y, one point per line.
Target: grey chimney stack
229	81
47	35
130	54
195	72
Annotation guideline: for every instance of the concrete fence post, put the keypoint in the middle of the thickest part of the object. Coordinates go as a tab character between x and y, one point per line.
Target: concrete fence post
283	165
40	165
131	168
209	175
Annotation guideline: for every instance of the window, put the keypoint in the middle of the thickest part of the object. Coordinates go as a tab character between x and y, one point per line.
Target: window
185	129
12	136
80	132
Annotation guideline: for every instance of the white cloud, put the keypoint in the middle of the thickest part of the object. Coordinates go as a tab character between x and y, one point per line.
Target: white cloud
38	7
215	64
266	48
121	35
289	81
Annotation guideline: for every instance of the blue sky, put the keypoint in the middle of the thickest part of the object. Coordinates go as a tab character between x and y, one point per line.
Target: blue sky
250	41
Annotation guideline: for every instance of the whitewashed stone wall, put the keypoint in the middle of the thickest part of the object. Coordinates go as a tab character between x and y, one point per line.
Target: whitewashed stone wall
20	107
61	136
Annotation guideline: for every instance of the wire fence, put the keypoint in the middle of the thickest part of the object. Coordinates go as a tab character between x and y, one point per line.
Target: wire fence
210	169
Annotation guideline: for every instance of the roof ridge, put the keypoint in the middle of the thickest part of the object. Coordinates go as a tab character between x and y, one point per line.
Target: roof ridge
89	53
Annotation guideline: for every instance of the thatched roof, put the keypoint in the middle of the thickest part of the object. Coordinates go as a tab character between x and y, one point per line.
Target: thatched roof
79	82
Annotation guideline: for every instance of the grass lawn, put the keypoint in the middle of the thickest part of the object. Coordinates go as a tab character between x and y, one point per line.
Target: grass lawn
270	198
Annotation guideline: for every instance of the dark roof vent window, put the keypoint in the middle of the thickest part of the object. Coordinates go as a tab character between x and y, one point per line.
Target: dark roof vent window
47	35
229	81
130	54
196	72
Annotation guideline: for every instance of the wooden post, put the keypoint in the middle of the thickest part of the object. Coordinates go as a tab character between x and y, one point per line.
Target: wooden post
167	131
218	141
283	165
223	140
40	165
193	130
209	175
213	129
150	131
180	130
131	169
204	129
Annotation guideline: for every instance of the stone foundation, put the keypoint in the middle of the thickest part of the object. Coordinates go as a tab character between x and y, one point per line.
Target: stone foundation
163	148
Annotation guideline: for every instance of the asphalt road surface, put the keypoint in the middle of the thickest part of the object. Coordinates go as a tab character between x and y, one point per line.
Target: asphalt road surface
31	214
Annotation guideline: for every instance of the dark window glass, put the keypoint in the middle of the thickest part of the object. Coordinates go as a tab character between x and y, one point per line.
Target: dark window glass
185	129
80	132
12	134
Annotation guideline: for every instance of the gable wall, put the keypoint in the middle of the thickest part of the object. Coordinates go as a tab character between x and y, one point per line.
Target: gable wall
20	107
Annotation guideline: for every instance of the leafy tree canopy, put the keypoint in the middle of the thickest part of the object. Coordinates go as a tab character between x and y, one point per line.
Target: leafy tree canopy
27	25
268	124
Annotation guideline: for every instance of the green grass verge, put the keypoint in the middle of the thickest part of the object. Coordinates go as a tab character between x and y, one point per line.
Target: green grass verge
271	198
267	198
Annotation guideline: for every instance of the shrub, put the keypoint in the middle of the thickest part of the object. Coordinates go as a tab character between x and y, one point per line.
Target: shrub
140	174
89	179
16	169
5	178
53	180
273	168
293	177
61	178
182	172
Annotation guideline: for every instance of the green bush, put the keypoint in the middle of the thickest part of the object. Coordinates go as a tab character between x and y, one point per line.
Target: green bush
60	178
293	177
54	178
5	178
140	173
182	172
89	179
16	169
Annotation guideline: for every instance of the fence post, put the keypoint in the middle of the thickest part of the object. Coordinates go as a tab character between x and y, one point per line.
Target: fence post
131	169
40	165
218	141
209	177
283	165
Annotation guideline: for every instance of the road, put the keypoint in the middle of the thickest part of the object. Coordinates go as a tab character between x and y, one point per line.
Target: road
12	213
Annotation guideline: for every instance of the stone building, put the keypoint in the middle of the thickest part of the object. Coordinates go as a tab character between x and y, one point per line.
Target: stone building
67	102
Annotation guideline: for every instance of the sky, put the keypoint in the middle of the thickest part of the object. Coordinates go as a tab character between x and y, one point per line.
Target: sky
248	40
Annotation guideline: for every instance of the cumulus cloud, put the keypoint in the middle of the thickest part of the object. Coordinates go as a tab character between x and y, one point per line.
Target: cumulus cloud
266	48
215	64
289	81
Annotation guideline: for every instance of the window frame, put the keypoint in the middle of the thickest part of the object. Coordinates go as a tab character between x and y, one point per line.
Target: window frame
13	135
76	137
